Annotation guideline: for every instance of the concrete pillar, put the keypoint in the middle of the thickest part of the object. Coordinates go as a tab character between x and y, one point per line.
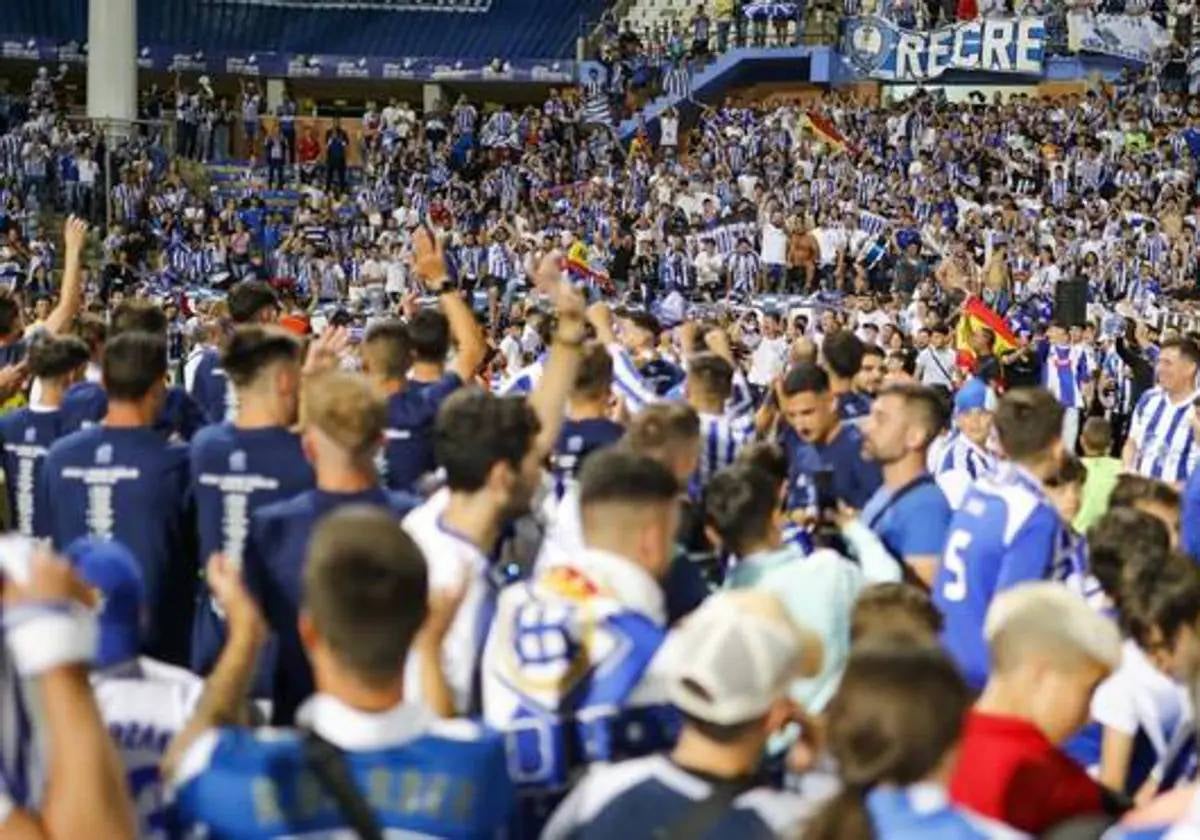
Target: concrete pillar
112	60
275	89
433	97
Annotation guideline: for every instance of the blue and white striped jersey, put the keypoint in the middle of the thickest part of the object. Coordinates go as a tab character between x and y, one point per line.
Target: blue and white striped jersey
961	453
722	436
1162	432
1066	370
1005	533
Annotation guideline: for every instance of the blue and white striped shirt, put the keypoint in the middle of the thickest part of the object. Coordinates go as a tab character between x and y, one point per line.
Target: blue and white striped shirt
963	454
721	438
1162	433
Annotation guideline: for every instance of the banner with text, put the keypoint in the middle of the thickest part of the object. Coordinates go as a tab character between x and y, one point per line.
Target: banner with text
1135	37
878	48
292	66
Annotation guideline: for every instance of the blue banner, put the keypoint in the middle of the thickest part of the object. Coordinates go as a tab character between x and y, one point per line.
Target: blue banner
877	48
287	65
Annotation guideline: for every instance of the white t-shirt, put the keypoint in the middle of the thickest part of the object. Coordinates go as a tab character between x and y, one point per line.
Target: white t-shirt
452	561
774	245
144	705
768	360
670	131
1139	697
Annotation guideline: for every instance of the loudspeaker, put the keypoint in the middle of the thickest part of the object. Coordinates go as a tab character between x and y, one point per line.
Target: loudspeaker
1070	303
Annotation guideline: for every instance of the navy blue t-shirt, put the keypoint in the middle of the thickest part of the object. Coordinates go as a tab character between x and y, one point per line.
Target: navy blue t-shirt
86	403
27	435
408	453
132	486
855	479
210	387
578	440
234	472
852	405
273	563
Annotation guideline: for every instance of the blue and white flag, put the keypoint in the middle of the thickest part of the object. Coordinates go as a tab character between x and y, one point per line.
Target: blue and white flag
876	47
1134	37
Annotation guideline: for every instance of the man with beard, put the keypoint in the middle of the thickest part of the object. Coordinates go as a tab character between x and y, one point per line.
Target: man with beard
909	513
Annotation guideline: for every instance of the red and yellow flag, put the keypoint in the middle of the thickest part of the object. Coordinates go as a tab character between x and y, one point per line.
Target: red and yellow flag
826	131
975	316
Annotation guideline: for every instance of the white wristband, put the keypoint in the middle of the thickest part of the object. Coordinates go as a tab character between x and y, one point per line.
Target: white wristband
47	635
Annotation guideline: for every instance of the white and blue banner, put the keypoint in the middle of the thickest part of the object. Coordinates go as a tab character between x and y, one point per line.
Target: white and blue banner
878	48
293	66
1135	37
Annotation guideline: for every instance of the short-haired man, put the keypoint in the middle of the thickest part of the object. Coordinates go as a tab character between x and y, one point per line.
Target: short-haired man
734	660
27	434
371	762
842	352
708	387
250	302
587	427
936	363
1049	650
387	356
1161	439
491	450
816	439
85	403
239	466
121	480
909	512
342	428
1005	531
571	659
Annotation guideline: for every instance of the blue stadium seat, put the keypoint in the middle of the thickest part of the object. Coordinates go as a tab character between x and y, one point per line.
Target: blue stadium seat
479	29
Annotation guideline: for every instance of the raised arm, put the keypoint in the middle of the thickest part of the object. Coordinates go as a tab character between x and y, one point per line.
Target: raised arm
70	296
549	398
50	629
223	702
429	263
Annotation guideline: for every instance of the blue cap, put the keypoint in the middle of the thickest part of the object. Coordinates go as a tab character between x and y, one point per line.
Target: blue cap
972	396
112	569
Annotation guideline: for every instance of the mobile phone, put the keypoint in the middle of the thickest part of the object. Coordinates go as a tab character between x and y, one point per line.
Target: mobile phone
826	497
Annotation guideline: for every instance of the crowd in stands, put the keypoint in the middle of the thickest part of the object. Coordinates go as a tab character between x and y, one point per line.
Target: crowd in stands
752	480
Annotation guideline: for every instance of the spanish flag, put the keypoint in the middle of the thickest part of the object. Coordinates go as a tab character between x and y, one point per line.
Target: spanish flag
580	268
977	315
826	131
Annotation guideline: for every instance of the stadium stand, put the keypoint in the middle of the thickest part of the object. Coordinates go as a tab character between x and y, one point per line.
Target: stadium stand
450	28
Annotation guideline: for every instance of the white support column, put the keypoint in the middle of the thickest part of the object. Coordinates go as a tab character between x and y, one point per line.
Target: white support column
112	60
433	97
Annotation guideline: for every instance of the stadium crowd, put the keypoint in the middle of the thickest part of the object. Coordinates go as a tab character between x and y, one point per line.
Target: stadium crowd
751	481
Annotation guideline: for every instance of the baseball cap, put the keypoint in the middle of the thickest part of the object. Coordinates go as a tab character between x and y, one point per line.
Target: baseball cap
739	652
111	568
974	395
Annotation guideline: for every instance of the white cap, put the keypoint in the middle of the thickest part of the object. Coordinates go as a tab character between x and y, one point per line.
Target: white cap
738	653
